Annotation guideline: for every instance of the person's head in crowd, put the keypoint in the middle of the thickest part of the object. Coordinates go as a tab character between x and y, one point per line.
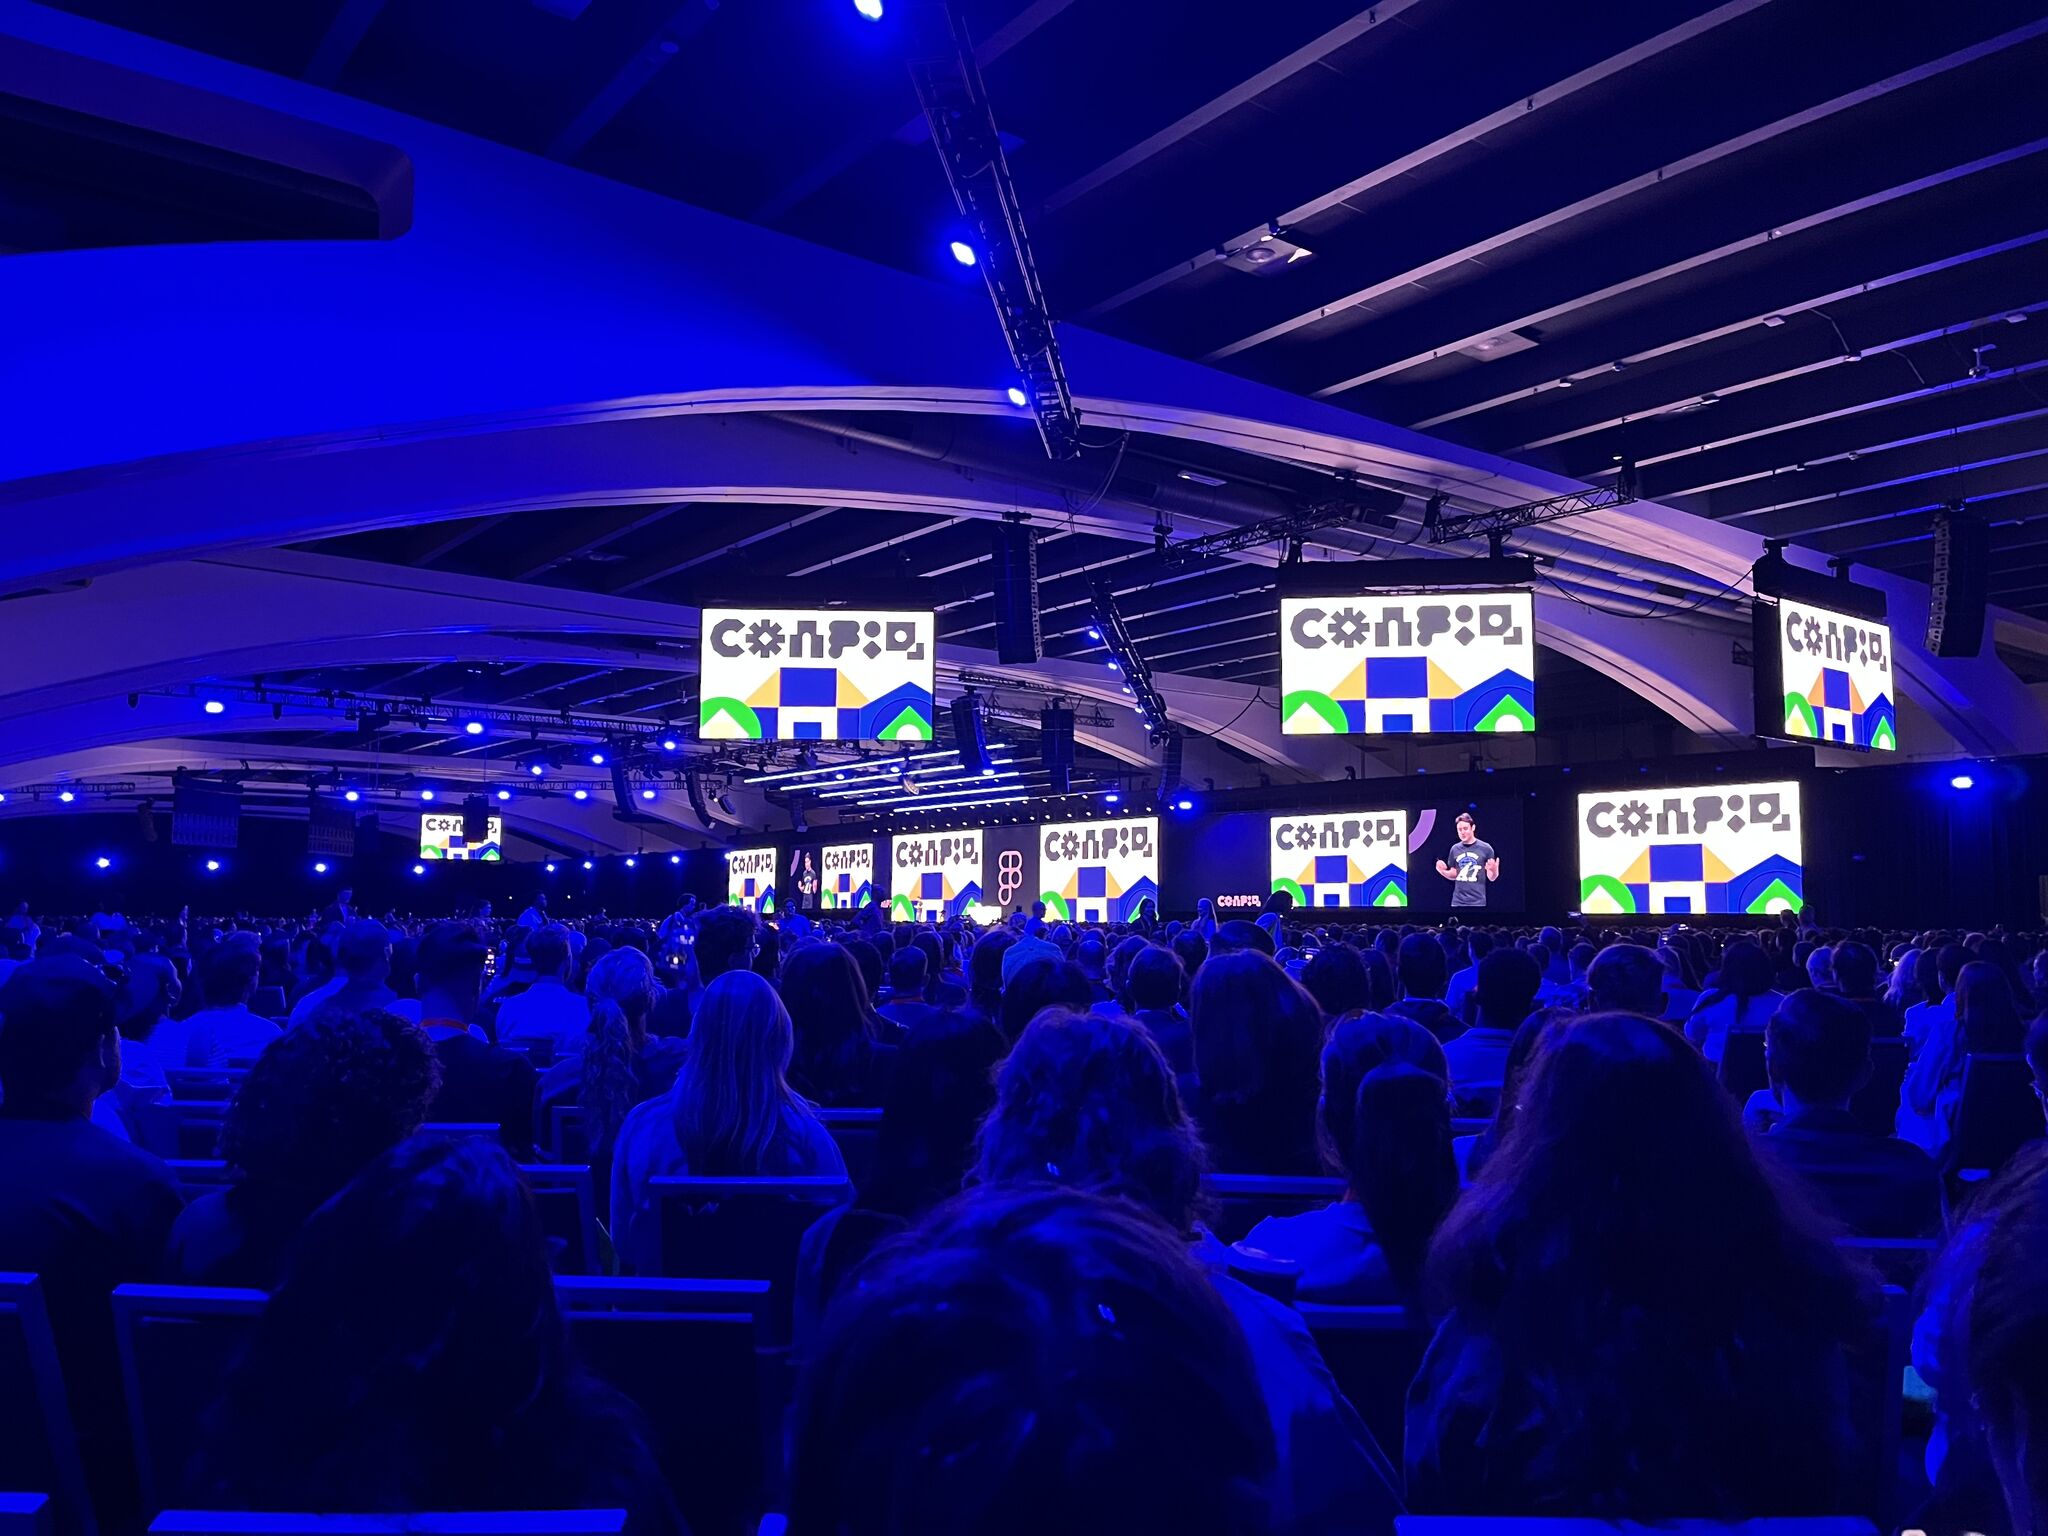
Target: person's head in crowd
621	990
1192	949
1239	935
942	1087
767	951
1627	978
1949	961
1258	1037
1908	985
547	950
1386	1123
1506	988
985	970
1420	967
1817	1050
364	951
832	1026
1380	992
732	1098
1820	969
1091	957
1038	911
1087	1100
726	939
60	1046
412	1357
908	968
925	940
1120	959
227	976
1031	1359
1023	952
1855	969
450	968
1581	957
1986	1011
874	970
325	1098
1626	1188
1746	971
1037	985
1998	1285
149	991
1156	982
1335	977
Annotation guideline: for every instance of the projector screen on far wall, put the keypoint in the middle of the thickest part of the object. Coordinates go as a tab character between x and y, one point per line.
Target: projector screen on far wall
441	838
1834	679
1340	859
816	674
934	875
1098	871
1714	849
1389	664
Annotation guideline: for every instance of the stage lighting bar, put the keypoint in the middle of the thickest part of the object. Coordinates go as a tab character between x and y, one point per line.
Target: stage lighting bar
1361	506
1135	676
1000	764
1501	521
857	765
944	805
1032	785
963	127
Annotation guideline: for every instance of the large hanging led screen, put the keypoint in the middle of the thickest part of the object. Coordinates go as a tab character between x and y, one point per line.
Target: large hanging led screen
1724	848
1352	859
1098	871
441	837
815	674
1382	664
1833	682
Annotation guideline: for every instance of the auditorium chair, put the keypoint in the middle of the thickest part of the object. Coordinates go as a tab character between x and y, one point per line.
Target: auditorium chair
692	1355
565	1139
538	1050
269	1002
1468	1125
858	1134
1240	1201
1373	1353
742	1229
516	1522
38	1447
1998	1115
181	1128
1899	1261
204	1084
1876	1105
1742	1064
449	1130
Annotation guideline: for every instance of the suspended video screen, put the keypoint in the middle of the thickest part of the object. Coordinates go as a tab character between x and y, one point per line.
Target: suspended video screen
1098	871
934	876
442	837
1349	859
1832	680
1725	848
816	674
1378	664
750	879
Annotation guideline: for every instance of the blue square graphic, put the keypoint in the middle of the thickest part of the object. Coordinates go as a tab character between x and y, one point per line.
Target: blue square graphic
1332	899
1397	722
1091	880
1834	688
1677	861
809	730
808	688
931	886
1396	677
1332	869
1677	903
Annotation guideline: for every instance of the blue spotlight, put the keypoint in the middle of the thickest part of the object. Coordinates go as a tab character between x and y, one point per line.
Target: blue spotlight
504	794
1112	798
419	869
675	858
631	862
65	797
215	707
320	868
1094	633
581	794
669	744
962	252
213	866
872	9
597	758
535	769
551	869
588	865
473	728
426	794
351	795
1017	396
1962	781
647	794
103	862
1183	804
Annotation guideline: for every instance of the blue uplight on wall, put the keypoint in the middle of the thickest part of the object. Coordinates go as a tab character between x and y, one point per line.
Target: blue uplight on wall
1962	781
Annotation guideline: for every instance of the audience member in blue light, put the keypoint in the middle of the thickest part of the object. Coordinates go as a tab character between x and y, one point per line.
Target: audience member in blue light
1032	1360
1476	1059
549	1009
840	1058
1981	1016
481	1083
1039	983
731	1114
1088	1102
1740	1001
1635	1321
321	1102
412	1358
620	1064
1423	974
363	955
1257	1038
1386	1123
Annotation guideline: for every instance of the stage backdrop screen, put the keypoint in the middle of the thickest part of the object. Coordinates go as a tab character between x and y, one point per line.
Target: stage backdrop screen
1382	664
1722	848
1345	859
1835	677
934	875
750	879
847	875
441	838
1098	871
816	674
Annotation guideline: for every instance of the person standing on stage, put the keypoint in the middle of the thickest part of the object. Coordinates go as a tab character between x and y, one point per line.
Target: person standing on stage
1470	865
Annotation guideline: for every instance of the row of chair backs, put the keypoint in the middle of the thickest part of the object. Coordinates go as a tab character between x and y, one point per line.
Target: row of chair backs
691	1354
1240	1201
526	1522
1998	1114
1373	1353
38	1447
858	1135
183	1130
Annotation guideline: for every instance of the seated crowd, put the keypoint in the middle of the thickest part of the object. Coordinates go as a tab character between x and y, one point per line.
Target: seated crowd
1600	1178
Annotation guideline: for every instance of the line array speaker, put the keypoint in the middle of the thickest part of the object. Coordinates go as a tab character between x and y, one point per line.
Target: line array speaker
1962	570
1014	554
970	732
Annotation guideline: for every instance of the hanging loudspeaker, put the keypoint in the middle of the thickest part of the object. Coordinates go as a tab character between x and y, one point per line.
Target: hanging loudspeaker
1015	561
970	732
1962	560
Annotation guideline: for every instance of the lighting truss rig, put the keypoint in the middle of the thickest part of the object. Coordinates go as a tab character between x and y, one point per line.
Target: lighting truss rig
1499	522
1357	507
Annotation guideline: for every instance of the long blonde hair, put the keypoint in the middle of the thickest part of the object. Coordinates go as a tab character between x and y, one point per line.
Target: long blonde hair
621	991
732	1097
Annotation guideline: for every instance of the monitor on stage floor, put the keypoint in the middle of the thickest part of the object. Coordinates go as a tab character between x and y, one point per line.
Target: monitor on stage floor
1711	849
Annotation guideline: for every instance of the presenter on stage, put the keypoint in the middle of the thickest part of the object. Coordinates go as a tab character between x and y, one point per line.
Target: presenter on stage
1470	866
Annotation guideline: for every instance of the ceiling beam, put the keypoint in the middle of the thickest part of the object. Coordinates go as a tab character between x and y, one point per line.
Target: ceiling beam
1490	245
692	551
613	97
1892	514
581	531
1519	111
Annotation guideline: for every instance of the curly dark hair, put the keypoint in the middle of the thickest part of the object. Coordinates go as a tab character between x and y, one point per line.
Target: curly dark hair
328	1096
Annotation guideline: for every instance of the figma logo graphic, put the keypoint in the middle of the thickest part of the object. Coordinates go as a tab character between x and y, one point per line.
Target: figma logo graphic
1009	875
